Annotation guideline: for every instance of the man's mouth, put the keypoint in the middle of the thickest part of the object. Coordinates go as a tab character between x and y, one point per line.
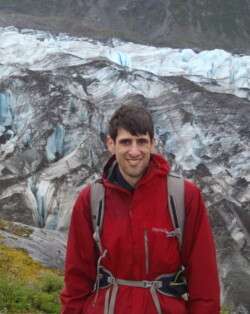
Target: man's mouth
133	162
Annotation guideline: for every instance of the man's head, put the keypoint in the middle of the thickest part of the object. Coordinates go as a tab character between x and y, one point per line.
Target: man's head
132	118
131	140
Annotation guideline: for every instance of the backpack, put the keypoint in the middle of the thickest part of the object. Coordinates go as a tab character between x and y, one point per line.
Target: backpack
175	186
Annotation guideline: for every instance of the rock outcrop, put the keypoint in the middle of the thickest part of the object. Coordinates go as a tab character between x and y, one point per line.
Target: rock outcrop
45	246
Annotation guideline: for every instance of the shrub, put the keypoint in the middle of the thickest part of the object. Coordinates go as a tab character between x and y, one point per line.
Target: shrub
51	282
14	296
26	287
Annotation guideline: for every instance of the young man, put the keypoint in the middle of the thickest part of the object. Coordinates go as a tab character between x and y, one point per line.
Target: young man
138	263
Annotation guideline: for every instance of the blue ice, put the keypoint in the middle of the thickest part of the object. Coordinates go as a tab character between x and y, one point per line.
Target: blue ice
5	110
119	57
40	192
27	137
40	209
55	143
51	221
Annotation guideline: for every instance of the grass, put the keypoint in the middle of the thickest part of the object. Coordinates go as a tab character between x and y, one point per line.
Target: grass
26	287
225	311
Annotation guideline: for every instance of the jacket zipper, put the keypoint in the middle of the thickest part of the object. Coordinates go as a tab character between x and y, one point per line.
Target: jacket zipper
146	251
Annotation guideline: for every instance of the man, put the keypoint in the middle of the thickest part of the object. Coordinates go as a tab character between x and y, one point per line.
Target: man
138	248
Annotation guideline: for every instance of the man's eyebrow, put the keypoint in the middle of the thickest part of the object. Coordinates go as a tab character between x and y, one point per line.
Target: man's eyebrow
143	139
124	140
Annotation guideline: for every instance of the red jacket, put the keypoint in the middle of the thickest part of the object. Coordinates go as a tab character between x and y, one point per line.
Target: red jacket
128	216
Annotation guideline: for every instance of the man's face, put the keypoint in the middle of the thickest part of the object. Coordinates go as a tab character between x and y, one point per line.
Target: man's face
132	154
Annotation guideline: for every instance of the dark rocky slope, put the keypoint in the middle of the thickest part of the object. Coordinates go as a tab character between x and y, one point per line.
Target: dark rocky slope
194	24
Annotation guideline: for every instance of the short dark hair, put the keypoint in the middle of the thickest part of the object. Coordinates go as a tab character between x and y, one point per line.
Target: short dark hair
135	119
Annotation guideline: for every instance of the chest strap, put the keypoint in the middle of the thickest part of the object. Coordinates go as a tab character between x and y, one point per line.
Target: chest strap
173	285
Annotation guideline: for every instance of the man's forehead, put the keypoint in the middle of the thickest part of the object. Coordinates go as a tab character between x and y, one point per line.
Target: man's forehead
122	133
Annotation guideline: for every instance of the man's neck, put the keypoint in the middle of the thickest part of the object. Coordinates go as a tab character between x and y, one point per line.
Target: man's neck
119	179
130	180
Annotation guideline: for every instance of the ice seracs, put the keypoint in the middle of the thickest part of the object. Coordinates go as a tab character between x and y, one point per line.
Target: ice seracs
217	70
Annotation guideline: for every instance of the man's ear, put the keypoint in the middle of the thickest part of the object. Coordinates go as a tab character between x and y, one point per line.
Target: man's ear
110	144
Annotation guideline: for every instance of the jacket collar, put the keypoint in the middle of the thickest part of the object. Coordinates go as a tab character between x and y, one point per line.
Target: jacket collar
158	166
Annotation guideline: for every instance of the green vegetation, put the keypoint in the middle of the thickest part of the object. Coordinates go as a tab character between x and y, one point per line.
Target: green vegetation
225	311
25	286
19	230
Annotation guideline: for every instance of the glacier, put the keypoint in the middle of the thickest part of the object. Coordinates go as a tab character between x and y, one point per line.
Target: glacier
57	94
38	51
217	70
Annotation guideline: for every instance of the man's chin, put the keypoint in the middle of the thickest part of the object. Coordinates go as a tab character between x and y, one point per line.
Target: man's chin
136	173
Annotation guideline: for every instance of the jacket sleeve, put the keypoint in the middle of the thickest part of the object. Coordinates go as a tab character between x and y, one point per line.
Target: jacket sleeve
199	256
80	263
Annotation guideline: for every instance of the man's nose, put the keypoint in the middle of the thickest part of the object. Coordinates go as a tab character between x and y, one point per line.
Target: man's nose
134	149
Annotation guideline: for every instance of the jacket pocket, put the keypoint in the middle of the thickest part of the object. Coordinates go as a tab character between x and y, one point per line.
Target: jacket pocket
163	254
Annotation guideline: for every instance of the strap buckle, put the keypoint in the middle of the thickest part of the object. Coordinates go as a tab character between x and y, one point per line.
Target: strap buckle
149	284
111	280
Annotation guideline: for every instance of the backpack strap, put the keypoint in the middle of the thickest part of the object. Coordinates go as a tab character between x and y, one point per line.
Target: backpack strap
97	210
175	185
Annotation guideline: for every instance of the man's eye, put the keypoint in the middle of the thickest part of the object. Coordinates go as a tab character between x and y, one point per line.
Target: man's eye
125	142
142	141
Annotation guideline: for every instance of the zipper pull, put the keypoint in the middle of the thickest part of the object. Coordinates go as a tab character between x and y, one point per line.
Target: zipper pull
146	249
